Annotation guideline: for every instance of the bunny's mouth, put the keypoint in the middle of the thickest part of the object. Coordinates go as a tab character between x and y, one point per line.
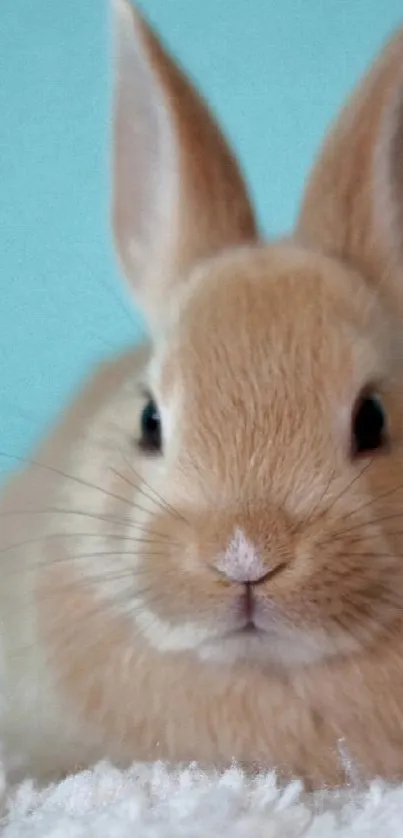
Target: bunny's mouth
248	620
253	627
249	617
250	629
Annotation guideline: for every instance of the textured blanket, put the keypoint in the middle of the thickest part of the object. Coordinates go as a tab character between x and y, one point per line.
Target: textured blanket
151	802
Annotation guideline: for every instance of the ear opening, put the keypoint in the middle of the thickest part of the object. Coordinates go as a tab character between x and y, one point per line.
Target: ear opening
178	193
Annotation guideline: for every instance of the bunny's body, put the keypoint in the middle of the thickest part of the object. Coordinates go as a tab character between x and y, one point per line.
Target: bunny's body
205	561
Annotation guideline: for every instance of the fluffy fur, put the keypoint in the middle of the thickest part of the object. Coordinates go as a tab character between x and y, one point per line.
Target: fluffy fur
239	595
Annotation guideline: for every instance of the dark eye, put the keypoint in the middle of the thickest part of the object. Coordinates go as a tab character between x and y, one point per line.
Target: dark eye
150	422
369	425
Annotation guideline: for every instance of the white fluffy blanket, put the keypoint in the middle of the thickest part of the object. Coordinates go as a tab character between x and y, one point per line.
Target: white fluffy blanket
151	802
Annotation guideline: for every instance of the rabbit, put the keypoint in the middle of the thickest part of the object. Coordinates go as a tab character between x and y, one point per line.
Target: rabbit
204	559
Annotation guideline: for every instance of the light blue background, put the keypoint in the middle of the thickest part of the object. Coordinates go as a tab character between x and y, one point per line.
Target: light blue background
276	73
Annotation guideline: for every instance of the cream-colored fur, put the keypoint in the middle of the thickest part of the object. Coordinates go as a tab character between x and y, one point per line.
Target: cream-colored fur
124	576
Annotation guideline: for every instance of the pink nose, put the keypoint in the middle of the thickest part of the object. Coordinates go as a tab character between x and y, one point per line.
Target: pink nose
241	561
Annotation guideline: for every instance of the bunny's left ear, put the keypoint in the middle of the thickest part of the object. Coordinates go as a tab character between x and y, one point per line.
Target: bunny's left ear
178	194
353	205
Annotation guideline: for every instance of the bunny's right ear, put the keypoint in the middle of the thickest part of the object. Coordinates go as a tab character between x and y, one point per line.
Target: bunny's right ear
353	205
178	195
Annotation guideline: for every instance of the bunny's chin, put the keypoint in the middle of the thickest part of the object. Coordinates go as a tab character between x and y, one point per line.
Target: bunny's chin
264	648
262	643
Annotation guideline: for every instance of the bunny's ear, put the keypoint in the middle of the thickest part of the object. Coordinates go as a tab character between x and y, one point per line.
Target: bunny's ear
353	205
178	195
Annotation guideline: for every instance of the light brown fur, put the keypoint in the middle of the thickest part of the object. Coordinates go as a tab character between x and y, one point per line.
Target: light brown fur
116	624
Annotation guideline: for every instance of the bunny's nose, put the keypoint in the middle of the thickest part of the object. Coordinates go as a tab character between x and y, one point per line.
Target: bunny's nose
241	561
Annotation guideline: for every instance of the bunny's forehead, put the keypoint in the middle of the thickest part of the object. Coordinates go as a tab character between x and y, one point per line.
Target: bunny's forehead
267	321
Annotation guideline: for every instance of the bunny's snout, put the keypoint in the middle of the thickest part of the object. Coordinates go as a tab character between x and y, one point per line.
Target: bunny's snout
245	547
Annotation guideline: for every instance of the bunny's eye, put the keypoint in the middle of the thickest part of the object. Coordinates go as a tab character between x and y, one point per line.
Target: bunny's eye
369	425
150	424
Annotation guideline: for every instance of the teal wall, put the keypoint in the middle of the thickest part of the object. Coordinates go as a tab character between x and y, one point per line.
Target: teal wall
275	72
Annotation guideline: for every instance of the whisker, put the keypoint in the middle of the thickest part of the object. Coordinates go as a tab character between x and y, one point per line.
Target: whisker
79	480
356	541
372	501
159	497
316	506
62	535
345	490
137	489
70	560
372	522
104	579
80	512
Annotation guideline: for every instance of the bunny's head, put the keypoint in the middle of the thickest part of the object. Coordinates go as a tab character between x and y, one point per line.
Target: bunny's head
270	421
